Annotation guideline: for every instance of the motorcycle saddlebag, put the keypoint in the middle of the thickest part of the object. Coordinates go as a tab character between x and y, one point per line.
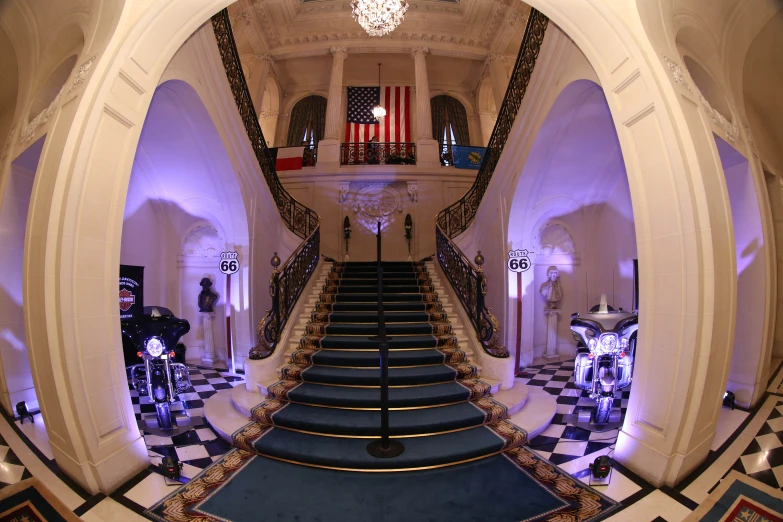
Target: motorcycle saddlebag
583	371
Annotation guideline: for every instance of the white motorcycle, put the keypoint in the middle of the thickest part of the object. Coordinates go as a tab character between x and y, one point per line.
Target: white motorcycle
604	361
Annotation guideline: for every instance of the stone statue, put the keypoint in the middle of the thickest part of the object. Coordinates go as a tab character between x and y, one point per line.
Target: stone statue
207	298
551	290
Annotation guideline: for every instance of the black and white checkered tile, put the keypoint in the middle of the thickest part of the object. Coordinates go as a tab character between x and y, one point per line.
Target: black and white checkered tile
560	442
200	446
763	458
11	468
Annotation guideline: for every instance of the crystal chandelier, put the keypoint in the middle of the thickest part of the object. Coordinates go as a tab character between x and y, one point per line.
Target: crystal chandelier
379	17
378	111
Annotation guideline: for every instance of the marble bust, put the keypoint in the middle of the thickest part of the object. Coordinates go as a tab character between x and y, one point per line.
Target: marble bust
207	298
551	290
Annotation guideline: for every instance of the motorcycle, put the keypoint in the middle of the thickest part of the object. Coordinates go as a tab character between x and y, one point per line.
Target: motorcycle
155	334
606	342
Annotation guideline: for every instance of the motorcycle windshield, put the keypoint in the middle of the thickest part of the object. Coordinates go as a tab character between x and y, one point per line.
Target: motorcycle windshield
607	310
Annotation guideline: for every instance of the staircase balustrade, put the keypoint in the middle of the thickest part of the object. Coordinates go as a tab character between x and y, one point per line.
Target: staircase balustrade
286	284
467	279
374	153
470	285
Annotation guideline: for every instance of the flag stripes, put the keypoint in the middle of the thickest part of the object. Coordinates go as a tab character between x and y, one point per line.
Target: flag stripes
361	126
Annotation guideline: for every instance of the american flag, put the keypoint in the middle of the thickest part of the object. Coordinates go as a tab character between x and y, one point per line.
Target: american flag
361	125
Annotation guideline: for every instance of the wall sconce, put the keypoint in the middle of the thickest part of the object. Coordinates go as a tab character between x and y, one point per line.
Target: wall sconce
346	234
408	235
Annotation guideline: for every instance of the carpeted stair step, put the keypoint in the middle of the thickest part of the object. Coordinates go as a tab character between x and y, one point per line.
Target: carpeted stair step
372	288
414	376
408	397
370	358
370	329
351	453
372	317
372	306
373	298
387	269
366	423
363	342
363	277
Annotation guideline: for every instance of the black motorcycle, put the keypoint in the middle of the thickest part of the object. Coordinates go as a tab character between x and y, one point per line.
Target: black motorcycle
604	361
155	334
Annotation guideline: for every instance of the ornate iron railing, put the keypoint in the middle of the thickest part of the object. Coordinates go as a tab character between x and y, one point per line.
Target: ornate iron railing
468	280
285	287
370	153
286	284
470	285
301	220
456	218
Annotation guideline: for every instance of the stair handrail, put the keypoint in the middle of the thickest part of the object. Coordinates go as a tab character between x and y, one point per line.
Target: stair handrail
467	279
470	285
456	218
287	283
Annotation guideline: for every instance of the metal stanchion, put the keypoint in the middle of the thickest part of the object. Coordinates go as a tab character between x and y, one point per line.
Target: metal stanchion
385	447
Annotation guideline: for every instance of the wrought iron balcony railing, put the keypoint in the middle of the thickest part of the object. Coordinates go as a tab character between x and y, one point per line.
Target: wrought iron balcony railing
287	283
374	153
456	218
468	280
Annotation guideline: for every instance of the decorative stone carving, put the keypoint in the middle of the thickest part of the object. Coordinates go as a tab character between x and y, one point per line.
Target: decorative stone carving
677	72
552	291
413	191
203	241
377	200
344	190
8	141
554	239
28	131
751	142
339	51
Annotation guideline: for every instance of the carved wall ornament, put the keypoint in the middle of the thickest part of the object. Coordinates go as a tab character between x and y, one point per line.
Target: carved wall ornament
677	72
344	190
751	142
203	241
413	191
242	17
731	129
9	139
377	200
555	240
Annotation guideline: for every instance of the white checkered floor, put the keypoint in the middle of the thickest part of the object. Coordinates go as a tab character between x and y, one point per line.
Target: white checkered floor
560	442
11	468
200	446
763	458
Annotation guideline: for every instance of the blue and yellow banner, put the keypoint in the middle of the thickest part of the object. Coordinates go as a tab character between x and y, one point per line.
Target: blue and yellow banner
468	157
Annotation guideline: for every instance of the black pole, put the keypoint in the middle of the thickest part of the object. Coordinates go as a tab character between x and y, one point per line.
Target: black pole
384	448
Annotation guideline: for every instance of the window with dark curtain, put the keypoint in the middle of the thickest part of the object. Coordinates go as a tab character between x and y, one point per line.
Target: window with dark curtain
308	121
449	125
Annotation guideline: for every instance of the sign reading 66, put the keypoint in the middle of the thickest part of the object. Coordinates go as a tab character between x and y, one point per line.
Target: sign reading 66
518	260
229	264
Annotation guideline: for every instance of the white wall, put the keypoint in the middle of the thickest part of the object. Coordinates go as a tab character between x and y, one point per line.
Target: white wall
16	380
744	375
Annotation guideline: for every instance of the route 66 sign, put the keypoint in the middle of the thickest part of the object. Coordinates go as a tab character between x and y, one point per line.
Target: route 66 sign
229	264
518	260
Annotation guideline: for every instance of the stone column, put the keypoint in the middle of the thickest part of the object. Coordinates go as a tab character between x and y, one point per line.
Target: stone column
487	120
208	356
499	78
329	147
257	83
427	150
551	334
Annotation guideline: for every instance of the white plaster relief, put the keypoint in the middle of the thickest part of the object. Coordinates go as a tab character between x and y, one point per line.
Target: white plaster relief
377	200
202	241
555	240
344	190
8	141
28	130
413	191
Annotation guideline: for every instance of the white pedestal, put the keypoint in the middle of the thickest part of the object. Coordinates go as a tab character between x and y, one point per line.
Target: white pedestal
208	356
552	317
427	152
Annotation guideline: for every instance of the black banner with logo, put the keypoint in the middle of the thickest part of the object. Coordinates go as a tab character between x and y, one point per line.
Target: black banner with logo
131	291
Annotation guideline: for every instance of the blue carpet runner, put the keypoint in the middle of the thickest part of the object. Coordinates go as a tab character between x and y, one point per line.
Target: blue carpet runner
463	460
326	407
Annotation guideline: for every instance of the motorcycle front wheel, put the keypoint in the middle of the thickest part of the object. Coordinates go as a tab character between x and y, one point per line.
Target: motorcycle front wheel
165	421
603	409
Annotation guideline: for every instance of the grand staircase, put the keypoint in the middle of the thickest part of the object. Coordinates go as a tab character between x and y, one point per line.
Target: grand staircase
325	407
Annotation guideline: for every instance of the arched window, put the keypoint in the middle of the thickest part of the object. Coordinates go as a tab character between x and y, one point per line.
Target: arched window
449	125
308	121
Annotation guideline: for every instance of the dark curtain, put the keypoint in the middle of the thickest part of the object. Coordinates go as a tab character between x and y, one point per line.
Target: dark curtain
308	112
438	108
458	118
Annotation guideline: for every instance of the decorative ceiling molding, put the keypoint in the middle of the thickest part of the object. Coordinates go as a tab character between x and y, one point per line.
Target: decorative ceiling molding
512	25
303	51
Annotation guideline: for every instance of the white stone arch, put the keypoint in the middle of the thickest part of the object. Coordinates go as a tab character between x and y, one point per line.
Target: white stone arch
661	139
269	113
288	102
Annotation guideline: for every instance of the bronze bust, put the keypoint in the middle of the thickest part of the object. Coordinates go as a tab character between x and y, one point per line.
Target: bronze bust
207	298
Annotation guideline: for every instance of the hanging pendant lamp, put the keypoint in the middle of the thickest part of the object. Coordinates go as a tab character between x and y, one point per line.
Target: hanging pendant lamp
379	17
378	111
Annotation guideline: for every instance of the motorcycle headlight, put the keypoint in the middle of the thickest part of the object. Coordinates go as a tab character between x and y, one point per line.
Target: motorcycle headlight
591	343
608	343
154	346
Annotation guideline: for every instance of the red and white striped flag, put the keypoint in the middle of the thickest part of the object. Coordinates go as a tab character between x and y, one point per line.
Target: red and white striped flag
361	125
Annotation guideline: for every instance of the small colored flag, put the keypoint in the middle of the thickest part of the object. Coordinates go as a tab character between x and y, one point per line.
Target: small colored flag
468	157
289	158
